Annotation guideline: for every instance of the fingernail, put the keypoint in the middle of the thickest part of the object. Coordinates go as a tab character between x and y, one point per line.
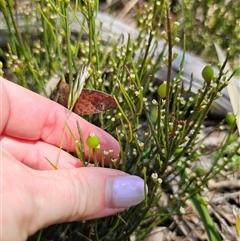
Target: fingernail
125	191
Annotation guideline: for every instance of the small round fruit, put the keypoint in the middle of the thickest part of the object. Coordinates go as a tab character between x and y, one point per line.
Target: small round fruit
230	118
93	140
162	90
232	138
207	73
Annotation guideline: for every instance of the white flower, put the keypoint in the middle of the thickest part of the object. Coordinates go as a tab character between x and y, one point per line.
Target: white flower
159	180
154	175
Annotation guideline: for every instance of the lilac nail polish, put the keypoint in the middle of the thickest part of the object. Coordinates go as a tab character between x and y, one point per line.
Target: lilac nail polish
126	191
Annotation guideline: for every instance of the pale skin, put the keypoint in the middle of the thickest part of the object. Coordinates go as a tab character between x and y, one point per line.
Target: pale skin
33	195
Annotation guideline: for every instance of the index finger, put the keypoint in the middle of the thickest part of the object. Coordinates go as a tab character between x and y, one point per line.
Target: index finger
29	116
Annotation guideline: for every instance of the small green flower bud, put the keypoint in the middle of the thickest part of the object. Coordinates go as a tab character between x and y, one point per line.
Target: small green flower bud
176	40
93	140
162	90
164	35
207	73
230	118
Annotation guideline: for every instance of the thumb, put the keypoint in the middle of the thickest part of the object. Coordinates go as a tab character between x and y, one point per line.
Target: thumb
85	193
40	198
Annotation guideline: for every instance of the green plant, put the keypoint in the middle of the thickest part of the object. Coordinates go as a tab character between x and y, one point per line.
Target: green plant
206	21
158	134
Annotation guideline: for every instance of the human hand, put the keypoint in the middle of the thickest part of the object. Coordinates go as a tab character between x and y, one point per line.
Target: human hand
33	194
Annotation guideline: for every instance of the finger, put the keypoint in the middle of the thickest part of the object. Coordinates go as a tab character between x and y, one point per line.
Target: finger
50	197
86	193
37	154
30	116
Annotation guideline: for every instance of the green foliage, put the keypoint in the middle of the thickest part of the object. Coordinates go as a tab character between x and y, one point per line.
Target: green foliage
203	22
159	136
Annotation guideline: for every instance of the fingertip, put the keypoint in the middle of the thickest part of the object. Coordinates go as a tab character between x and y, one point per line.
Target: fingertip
124	191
